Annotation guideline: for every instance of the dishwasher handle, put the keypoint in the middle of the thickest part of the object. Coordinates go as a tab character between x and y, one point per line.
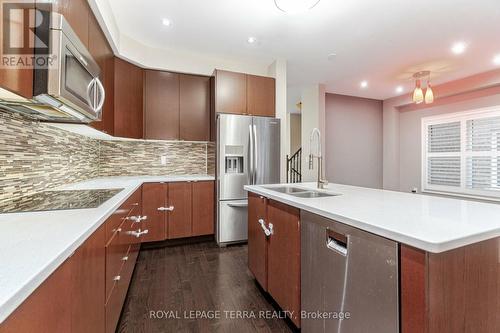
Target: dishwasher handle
337	242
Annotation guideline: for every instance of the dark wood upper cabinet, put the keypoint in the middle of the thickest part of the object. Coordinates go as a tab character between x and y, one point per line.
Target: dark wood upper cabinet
161	105
103	55
16	80
241	93
179	222
261	95
203	208
77	13
128	96
257	240
194	108
230	92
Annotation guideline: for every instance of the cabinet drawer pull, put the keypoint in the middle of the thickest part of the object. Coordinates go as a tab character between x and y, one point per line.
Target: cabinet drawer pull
117	278
135	204
137	219
125	258
169	209
268	231
137	233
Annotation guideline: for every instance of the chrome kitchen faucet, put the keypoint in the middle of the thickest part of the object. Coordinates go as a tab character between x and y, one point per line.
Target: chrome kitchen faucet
322	182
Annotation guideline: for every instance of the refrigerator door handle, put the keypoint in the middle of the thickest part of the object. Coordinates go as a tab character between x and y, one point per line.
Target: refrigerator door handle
250	156
256	153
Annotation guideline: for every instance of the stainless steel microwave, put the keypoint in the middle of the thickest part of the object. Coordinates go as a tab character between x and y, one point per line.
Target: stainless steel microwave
68	89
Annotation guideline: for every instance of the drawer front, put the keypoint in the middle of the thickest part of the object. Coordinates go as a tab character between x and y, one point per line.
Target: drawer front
116	255
131	207
114	305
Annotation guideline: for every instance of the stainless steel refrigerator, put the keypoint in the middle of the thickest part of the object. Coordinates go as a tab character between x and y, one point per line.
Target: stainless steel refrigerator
248	152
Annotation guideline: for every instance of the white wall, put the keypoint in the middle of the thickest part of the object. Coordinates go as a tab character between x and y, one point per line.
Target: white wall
295	132
278	70
353	140
313	115
390	155
170	59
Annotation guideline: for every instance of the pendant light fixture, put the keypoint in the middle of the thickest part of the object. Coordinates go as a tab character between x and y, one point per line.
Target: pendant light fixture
418	94
295	6
429	94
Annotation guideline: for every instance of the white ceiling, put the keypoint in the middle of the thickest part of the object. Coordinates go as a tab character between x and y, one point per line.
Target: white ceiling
382	42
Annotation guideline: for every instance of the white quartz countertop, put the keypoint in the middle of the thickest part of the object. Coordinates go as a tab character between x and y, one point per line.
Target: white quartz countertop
430	223
33	245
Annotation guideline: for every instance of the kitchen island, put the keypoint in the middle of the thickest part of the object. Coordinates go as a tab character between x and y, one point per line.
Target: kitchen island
446	250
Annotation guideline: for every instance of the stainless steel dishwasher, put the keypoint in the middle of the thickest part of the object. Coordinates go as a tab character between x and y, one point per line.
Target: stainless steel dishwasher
346	272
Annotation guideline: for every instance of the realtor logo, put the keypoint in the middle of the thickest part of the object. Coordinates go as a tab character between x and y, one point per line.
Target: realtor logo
25	27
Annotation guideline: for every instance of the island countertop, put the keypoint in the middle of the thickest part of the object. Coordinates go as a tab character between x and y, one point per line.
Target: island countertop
430	223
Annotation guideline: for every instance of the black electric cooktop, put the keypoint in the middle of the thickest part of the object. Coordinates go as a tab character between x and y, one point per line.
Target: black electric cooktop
59	200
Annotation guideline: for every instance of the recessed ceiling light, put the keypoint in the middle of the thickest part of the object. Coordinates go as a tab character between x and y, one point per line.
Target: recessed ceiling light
496	60
251	40
295	6
459	47
364	84
166	22
399	89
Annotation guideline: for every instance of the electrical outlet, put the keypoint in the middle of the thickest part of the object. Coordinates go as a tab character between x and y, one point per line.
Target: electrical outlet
163	160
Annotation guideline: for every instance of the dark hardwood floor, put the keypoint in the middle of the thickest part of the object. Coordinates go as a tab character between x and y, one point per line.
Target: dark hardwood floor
197	277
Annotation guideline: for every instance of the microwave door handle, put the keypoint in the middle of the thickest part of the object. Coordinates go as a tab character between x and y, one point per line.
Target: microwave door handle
91	99
102	93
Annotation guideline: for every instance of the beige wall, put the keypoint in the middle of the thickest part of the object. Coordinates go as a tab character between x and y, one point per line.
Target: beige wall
353	140
295	132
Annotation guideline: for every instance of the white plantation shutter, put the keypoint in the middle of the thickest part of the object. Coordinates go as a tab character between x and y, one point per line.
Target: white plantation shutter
483	151
443	151
461	153
444	171
444	138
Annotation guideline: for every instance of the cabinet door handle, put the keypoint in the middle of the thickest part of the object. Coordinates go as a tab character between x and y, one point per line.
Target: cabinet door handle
125	258
117	278
268	231
169	209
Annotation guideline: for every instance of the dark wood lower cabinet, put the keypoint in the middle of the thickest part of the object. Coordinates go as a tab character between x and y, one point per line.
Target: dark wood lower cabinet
178	209
283	258
456	291
86	293
154	197
88	285
275	259
47	309
179	223
203	202
257	240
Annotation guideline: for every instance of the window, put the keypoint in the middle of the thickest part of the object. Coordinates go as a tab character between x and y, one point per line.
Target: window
461	153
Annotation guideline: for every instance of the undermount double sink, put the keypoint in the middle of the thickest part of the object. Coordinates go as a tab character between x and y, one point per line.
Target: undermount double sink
301	192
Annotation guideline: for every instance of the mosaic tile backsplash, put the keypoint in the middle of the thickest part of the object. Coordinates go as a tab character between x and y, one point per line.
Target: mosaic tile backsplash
35	157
